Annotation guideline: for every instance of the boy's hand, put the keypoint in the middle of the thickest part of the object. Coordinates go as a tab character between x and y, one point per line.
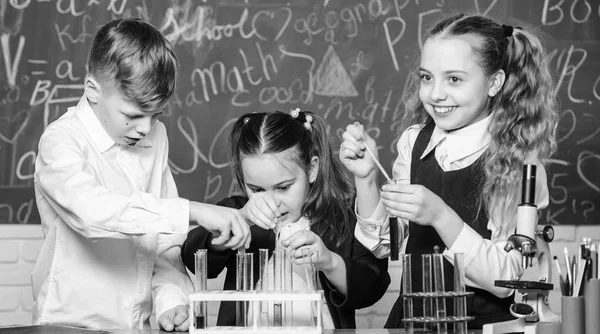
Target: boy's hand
226	224
262	210
175	319
353	152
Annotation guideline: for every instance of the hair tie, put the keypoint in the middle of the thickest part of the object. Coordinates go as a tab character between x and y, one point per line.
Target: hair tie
507	30
307	118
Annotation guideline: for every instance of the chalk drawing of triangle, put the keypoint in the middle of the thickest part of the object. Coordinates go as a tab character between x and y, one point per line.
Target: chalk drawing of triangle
331	78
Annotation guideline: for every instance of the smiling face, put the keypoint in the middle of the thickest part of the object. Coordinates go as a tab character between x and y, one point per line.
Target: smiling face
454	89
280	176
125	123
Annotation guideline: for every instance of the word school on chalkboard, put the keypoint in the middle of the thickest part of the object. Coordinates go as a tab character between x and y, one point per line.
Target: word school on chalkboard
346	60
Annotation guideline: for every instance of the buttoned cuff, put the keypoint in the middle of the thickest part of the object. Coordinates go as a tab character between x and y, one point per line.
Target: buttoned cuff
467	242
374	223
168	297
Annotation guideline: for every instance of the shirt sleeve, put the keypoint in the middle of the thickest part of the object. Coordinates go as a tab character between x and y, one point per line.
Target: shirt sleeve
70	185
374	232
171	284
486	260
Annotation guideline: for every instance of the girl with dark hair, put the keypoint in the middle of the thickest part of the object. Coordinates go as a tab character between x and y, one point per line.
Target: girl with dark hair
283	163
484	108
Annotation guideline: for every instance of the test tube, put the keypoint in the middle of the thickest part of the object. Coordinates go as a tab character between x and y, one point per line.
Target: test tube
263	265
288	307
311	257
428	289
394	235
244	282
407	289
278	277
460	303
440	302
200	285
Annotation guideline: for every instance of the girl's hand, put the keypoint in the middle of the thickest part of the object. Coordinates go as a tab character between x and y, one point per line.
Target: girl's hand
415	203
353	152
262	210
309	240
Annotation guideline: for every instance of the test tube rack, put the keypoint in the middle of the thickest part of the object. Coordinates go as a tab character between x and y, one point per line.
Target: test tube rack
254	298
434	296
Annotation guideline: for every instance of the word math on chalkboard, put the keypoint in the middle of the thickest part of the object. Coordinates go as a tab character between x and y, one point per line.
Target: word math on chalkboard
346	60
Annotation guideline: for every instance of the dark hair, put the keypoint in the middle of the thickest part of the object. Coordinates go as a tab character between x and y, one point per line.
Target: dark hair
137	59
329	201
524	114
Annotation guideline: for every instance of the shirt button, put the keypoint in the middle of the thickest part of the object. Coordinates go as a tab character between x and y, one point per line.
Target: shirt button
371	227
173	227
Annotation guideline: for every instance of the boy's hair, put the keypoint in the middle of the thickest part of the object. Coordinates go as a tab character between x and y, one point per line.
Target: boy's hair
135	58
328	205
524	114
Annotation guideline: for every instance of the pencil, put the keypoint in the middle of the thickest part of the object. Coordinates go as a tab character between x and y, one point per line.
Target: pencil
557	265
568	268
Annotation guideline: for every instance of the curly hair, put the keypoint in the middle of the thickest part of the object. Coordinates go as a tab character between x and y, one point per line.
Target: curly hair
524	114
329	201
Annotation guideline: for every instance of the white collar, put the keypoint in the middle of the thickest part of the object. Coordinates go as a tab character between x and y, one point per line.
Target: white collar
463	142
94	128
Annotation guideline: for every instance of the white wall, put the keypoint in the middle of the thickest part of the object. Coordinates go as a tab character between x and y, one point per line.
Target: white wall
20	245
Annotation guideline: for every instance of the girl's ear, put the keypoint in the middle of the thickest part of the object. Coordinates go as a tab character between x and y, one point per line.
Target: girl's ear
496	83
92	89
314	169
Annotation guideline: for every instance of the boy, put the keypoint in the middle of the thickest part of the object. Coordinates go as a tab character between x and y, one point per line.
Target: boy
112	220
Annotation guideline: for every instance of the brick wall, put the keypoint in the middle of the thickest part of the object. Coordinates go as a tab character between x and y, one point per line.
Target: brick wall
20	245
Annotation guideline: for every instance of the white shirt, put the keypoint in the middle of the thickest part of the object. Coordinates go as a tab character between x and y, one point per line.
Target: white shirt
113	225
485	260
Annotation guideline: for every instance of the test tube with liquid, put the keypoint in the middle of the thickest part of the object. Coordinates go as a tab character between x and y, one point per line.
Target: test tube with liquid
244	282
263	265
440	302
407	289
394	235
460	303
278	277
200	285
428	289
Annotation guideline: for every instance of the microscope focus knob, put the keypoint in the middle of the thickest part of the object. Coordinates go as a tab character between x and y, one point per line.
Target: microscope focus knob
548	233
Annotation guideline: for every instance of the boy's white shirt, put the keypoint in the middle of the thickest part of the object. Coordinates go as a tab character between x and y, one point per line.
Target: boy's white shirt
113	225
485	260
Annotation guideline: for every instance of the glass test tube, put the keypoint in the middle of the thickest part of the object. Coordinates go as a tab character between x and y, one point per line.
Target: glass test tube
460	303
263	265
278	267
407	289
440	302
244	282
394	235
427	288
200	285
288	269
310	270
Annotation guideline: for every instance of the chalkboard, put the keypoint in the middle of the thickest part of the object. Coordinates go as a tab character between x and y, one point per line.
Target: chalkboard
346	60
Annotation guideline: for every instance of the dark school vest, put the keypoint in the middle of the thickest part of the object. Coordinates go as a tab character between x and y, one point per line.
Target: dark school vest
459	189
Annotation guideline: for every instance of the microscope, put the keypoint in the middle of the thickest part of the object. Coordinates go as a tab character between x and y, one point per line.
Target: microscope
532	244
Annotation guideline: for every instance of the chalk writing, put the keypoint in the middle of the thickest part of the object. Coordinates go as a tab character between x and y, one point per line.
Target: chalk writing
11	65
349	61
